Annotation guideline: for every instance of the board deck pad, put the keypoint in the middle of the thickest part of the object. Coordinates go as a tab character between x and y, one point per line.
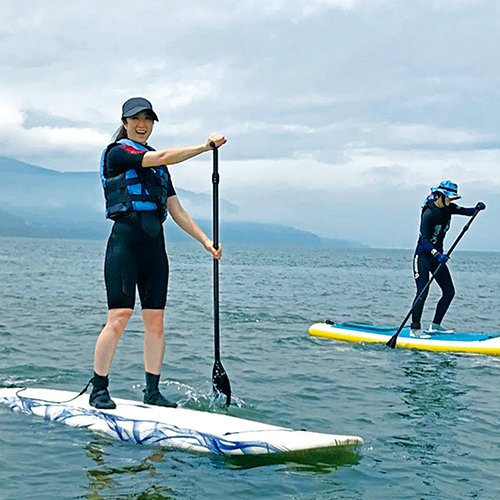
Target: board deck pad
175	428
480	343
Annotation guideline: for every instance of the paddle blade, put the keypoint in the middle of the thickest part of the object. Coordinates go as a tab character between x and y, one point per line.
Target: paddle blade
392	342
220	382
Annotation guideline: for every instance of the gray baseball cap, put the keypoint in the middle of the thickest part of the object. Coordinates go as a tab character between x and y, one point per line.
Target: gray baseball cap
137	104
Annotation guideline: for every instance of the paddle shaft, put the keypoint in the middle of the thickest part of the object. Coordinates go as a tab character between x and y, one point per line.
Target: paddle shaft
220	380
392	341
215	217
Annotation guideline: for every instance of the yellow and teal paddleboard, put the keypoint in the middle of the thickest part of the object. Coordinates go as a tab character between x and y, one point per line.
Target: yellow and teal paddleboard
480	343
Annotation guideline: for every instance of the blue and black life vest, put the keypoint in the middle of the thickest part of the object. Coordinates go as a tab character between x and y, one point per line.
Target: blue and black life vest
133	190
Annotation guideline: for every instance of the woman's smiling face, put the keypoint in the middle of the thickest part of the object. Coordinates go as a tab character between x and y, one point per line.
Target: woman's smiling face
139	127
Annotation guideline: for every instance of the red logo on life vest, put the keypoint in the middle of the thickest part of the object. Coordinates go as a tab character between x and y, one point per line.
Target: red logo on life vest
131	150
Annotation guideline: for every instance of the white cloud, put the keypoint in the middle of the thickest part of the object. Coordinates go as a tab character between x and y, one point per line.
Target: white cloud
63	138
426	134
180	94
316	7
16	140
324	96
365	169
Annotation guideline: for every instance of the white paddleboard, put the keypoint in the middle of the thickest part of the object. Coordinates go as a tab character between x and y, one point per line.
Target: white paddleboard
175	428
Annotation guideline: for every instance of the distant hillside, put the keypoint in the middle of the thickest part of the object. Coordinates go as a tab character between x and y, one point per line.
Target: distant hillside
255	233
39	202
10	225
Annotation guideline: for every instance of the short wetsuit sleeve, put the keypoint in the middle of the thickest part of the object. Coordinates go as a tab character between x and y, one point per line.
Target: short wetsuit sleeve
121	158
170	186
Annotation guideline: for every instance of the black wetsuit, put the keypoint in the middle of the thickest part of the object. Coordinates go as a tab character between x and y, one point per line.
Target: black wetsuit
434	224
135	254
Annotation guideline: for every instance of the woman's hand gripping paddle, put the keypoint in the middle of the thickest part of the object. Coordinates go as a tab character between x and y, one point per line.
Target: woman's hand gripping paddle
393	340
220	380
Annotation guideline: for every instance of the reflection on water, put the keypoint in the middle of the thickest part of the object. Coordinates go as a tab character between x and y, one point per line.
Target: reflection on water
103	477
313	461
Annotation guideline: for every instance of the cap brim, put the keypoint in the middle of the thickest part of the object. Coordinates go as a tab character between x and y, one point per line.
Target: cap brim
138	109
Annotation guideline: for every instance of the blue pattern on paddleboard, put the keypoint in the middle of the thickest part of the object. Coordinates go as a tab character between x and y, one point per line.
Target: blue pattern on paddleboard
405	332
138	431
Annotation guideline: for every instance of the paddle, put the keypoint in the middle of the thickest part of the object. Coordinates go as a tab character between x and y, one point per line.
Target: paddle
392	341
220	380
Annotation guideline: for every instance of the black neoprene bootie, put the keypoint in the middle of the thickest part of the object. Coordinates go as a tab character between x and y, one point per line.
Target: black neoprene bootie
152	395
157	399
99	397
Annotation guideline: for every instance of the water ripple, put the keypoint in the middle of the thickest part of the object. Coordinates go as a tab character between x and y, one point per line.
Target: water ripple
429	420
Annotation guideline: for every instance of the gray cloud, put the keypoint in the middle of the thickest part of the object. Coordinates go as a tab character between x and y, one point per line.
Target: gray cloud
326	82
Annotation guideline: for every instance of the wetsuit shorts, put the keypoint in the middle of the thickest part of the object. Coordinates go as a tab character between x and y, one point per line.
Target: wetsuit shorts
136	258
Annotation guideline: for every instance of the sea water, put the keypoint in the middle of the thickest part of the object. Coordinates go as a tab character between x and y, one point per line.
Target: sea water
429	420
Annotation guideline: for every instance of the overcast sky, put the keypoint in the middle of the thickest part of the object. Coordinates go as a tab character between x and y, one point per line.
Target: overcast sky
340	114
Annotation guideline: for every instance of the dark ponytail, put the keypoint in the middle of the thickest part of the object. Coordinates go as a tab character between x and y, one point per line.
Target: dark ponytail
121	133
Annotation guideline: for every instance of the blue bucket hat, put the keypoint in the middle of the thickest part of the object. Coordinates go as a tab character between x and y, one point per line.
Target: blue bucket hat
135	105
448	188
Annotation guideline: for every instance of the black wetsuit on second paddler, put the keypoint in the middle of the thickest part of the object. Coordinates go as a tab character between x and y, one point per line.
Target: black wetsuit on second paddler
434	224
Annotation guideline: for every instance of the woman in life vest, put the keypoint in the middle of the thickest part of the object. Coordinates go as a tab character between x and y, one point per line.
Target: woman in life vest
139	193
429	254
